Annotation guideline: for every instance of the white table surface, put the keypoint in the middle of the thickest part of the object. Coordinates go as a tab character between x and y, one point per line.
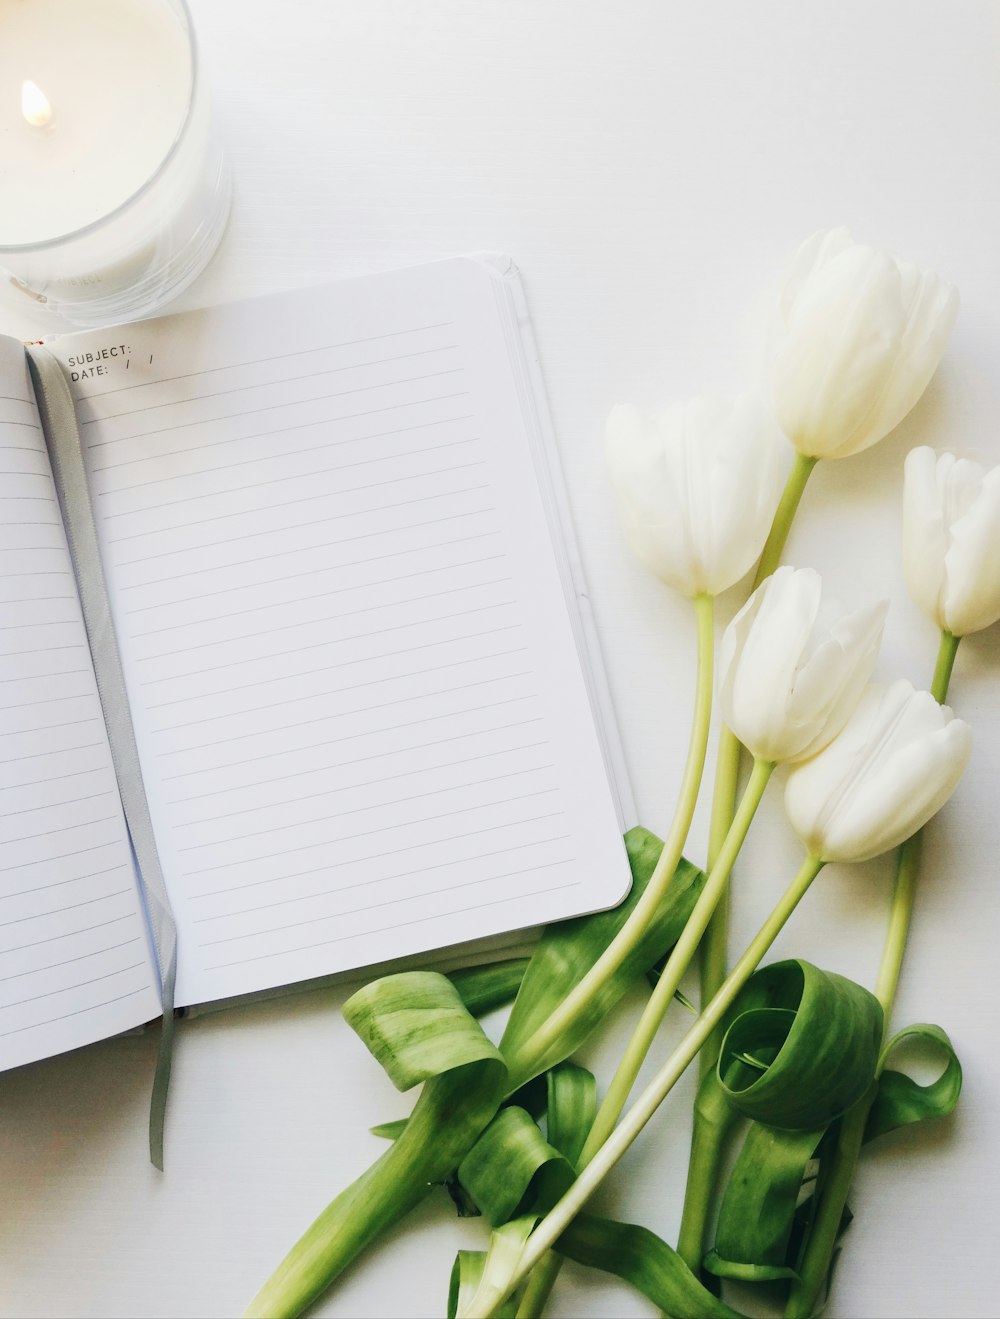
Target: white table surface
650	166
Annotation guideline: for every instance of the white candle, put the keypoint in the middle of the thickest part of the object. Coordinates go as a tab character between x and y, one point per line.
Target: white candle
112	194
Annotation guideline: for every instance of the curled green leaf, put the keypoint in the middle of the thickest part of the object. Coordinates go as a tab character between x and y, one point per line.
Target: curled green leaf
901	1100
501	1169
416	1025
570	1108
814	1039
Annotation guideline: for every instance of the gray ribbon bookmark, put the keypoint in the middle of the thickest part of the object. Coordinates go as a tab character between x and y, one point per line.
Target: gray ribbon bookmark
55	403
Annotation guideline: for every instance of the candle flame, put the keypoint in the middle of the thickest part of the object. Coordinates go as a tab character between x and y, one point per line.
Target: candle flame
35	105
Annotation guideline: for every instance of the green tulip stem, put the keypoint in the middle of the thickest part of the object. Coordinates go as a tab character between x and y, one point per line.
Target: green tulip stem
714	948
677	964
548	1231
814	1269
539	1288
947	651
788	505
530	1058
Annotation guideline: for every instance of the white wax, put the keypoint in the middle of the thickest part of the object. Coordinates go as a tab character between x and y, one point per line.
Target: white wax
118	75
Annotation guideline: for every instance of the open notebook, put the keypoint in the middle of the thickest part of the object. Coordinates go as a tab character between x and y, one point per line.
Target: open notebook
293	654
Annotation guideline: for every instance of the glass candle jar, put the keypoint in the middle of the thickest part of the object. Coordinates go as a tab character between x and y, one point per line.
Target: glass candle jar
113	189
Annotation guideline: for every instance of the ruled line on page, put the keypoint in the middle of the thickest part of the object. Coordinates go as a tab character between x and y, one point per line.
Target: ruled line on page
299	476
283	554
68	934
319	398
68	989
305	673
44	728
309	499
66	828
389	828
456	911
395	851
35	1025
37	755
34	677
404	875
356	636
46	700
59	883
272	407
354	687
360	783
305	572
259	361
315	522
373	806
68	961
324	595
361	883
289	380
392	902
344	738
46	860
47	806
72	906
380	755
286	380
286	430
344	714
270	458
29	783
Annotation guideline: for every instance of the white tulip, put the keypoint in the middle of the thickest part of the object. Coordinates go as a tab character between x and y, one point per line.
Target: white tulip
697	487
896	763
951	539
860	335
793	666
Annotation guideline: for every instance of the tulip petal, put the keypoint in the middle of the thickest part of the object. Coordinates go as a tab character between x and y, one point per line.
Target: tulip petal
931	310
862	335
841	341
792	667
834	678
972	562
696	487
925	538
898	760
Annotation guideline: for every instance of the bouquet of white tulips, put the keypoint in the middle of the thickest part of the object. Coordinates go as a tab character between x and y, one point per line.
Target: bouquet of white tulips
794	1058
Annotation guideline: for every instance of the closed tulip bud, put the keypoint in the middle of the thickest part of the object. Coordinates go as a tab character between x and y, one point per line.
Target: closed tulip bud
951	539
793	666
697	487
895	764
860	335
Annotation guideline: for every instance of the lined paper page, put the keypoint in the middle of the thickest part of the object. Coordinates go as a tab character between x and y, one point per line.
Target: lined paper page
75	963
359	708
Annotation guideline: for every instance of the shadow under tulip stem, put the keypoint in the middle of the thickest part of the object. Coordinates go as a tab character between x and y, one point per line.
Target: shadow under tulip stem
814	1270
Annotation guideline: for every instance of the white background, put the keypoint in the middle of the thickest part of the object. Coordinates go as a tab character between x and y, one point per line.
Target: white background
650	166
